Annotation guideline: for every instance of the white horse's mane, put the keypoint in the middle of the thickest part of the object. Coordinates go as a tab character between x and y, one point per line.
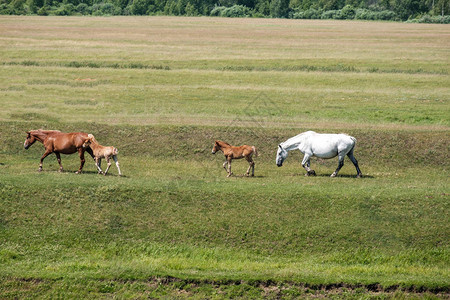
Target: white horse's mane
294	140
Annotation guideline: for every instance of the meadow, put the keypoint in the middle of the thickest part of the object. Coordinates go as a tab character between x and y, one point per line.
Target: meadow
162	89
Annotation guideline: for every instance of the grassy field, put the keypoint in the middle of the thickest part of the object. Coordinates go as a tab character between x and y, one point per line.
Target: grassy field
162	89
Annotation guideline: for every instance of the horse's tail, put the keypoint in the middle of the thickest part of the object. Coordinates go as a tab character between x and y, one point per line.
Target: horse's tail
354	142
255	151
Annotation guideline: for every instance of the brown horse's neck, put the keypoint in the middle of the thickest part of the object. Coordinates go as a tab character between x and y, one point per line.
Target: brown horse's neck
94	144
223	145
41	135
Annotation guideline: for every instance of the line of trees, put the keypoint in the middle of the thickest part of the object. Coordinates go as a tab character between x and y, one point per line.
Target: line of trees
433	11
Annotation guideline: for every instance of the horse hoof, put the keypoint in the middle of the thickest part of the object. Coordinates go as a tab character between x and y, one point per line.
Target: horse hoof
359	176
333	175
78	172
39	170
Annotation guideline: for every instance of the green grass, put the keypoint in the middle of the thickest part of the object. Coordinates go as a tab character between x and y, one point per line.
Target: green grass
174	226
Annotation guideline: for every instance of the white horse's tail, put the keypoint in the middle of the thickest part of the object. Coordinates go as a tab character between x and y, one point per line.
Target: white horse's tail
255	151
354	142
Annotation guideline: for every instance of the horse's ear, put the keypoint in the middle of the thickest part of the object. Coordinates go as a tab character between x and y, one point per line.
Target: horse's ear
280	147
28	132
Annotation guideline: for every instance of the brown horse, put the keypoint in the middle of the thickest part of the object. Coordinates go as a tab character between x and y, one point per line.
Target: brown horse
232	152
59	142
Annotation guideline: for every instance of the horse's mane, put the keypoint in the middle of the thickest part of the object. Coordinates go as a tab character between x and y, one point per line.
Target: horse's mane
47	131
222	142
92	138
290	141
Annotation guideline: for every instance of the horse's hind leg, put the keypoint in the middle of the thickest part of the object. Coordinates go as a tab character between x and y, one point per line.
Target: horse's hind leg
117	164
341	163
47	153
355	162
229	167
109	165
251	164
58	157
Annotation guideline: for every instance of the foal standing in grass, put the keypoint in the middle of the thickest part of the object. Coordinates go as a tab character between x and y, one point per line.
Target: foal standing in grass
232	152
102	152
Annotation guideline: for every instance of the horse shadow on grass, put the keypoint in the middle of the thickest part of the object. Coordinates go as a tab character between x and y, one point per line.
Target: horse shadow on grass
245	176
329	176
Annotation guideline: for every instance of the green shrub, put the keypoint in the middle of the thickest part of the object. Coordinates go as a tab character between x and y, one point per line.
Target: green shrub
43	11
64	10
234	11
348	12
84	9
308	14
101	9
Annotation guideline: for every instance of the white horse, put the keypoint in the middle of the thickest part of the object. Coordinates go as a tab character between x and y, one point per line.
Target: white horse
320	145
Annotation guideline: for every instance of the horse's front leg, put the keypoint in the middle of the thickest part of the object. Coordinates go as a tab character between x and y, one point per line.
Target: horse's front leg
109	165
229	167
47	153
82	160
306	164
98	164
58	158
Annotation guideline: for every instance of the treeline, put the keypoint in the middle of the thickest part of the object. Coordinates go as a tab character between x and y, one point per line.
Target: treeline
431	11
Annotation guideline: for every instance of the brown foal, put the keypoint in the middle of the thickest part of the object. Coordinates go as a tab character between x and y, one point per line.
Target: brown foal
232	152
58	142
102	152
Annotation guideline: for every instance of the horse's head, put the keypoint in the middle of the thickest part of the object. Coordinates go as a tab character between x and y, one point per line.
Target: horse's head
215	148
29	140
87	142
281	156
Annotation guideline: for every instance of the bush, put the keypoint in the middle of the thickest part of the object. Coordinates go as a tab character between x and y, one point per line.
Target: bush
101	9
383	15
308	14
330	14
64	10
431	19
348	12
83	9
43	11
217	11
235	11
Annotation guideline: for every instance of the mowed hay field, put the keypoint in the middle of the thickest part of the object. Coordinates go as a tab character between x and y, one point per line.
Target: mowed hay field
161	90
